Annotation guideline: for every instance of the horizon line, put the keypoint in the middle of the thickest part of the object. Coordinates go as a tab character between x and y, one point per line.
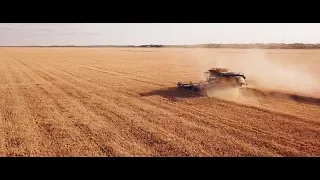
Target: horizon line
125	45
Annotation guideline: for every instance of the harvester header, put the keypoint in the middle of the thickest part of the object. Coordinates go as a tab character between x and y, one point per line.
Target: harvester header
216	78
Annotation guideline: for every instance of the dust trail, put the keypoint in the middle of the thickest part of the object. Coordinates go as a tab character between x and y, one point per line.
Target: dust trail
260	71
272	76
230	94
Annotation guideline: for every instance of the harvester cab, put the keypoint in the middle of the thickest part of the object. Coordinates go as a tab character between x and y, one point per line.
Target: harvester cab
216	78
222	76
213	73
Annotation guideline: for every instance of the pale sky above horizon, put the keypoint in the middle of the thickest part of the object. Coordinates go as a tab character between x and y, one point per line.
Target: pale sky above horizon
156	33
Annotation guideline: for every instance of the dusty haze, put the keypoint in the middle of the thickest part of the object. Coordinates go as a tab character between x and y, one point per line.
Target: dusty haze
264	72
124	102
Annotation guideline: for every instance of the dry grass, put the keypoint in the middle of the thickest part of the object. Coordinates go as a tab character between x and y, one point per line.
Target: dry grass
123	102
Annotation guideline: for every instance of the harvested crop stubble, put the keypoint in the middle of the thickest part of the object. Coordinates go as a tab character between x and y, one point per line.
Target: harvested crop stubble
111	102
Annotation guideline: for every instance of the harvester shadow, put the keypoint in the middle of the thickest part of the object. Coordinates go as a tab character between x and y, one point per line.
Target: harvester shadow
282	95
172	93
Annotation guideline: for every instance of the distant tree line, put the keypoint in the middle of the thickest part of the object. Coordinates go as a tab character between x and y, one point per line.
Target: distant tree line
252	46
234	46
153	45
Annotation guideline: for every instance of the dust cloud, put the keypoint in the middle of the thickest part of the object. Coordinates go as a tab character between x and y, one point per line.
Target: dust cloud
261	72
229	94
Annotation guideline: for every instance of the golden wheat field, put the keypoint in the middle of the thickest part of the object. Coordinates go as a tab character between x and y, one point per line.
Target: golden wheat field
124	102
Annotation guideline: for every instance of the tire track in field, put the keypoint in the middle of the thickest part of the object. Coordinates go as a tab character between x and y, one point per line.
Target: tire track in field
303	111
270	112
107	150
110	86
118	73
51	135
120	81
77	94
55	132
84	128
227	129
7	111
143	110
241	108
62	110
193	118
14	140
127	71
239	126
3	98
31	129
151	114
123	117
279	134
205	103
150	79
131	78
224	123
206	139
101	111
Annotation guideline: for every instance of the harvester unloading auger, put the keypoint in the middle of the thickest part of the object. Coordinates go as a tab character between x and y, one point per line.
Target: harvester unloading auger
216	78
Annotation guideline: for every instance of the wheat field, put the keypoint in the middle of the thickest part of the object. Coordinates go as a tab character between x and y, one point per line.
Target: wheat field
124	102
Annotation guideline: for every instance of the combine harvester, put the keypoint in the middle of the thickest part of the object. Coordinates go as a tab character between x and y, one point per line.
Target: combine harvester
216	78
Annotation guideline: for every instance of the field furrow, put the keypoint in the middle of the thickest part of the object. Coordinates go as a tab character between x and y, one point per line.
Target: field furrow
123	102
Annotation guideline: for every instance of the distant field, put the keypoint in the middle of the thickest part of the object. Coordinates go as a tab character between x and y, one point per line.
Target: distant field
124	102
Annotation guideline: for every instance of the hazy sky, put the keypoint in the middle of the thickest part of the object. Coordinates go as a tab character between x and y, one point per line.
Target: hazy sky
153	33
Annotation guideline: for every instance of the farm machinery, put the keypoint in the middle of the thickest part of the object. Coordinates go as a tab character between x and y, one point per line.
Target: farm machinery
216	78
